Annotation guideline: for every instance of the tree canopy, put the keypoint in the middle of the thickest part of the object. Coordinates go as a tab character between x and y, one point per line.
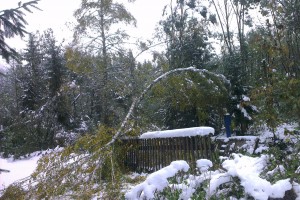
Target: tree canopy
12	23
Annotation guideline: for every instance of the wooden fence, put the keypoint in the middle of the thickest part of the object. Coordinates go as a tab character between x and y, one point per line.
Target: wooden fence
153	154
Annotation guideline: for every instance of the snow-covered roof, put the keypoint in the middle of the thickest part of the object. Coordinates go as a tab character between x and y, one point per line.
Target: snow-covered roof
185	132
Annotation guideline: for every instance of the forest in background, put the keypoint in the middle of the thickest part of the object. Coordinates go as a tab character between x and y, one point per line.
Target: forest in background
53	94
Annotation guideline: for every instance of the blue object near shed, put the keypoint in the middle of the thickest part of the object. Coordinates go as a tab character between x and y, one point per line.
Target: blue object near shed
227	122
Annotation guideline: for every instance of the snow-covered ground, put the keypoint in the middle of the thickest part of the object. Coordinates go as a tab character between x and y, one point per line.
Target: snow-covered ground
244	168
20	168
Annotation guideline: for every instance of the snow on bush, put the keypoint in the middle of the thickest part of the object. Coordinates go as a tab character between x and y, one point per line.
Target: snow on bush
157	181
244	168
203	165
248	170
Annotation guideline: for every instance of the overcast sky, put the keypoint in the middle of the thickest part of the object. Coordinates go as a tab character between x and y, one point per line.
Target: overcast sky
57	14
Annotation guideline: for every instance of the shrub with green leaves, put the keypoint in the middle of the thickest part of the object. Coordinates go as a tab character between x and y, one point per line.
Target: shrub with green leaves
77	172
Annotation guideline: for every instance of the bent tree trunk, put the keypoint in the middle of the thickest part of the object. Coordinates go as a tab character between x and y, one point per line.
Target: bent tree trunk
137	100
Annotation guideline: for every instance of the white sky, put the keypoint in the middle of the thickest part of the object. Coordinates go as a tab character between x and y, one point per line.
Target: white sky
58	14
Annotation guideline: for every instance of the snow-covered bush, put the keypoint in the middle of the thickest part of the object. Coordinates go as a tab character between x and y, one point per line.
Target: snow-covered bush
173	182
239	177
284	161
79	171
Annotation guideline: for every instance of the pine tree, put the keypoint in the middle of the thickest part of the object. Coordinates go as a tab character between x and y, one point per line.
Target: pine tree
12	23
33	85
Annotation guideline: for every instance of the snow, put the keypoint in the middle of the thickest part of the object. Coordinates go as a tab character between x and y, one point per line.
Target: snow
248	170
244	111
156	181
245	98
3	68
19	169
73	85
185	132
203	165
279	132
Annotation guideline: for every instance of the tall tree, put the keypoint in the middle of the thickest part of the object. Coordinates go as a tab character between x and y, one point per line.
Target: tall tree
185	34
97	20
33	85
233	16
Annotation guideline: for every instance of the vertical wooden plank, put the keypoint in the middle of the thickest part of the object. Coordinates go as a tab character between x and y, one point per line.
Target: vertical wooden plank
149	155
187	149
131	146
204	147
163	153
139	153
190	147
159	152
152	160
168	156
143	155
136	152
192	155
176	149
173	149
146	155
161	144
201	147
166	151
128	159
155	157
181	146
197	147
209	147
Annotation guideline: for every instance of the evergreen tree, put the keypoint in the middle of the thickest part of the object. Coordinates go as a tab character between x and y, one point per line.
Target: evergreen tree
33	85
12	23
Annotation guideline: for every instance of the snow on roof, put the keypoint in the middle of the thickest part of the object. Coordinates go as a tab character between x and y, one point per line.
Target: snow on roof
185	132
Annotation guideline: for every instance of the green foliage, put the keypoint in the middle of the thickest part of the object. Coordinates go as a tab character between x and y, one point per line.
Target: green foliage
278	101
169	193
185	29
187	100
284	158
86	168
14	192
13	24
28	135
